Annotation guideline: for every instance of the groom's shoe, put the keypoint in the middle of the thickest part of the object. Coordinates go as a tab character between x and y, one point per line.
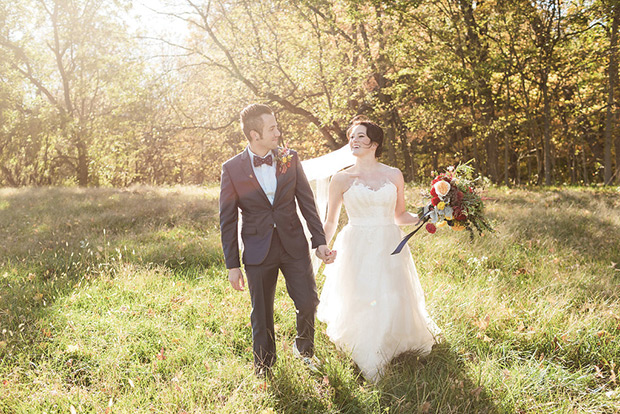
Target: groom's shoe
312	363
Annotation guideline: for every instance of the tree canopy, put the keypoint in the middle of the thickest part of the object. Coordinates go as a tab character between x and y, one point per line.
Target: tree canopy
527	88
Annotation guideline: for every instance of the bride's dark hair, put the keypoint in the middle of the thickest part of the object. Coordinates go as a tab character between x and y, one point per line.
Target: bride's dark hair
373	131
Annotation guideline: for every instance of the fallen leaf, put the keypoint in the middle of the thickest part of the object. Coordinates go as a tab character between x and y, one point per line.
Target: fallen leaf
426	407
476	392
482	336
161	355
483	324
599	373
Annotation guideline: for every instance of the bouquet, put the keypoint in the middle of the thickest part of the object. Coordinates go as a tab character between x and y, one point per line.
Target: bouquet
455	201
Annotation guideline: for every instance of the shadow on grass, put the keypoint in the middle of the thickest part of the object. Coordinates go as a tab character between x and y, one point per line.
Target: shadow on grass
577	221
437	383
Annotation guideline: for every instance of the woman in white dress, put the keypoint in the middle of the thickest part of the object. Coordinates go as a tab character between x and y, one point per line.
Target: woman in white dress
372	302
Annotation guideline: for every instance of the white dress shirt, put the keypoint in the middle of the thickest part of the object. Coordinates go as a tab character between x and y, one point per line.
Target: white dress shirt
266	175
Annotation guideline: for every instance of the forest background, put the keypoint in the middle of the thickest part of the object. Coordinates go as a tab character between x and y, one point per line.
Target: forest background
90	96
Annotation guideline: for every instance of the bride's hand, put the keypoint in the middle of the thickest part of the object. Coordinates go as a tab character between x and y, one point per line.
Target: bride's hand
325	254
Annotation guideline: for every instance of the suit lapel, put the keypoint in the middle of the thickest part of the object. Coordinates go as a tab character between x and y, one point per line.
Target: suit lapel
246	165
279	176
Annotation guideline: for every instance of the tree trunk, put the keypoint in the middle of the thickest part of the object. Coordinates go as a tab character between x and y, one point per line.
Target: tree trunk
584	163
82	164
546	127
610	124
480	52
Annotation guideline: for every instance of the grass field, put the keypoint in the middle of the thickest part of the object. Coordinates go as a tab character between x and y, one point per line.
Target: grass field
115	301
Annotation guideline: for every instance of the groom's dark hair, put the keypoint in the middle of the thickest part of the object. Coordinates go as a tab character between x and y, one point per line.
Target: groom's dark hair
373	131
251	119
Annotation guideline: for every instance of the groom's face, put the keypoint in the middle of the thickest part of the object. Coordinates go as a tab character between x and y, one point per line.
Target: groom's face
268	139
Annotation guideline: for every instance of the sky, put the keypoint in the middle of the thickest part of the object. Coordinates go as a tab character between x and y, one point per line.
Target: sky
146	17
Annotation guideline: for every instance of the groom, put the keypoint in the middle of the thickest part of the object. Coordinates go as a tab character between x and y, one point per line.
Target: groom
266	183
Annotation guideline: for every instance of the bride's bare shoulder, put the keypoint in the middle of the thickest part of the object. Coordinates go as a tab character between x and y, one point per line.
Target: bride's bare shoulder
391	172
343	179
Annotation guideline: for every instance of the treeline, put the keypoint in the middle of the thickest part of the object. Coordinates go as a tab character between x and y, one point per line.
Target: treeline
526	88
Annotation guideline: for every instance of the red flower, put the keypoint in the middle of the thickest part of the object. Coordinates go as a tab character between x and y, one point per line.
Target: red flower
435	201
433	192
460	217
430	227
459	196
471	190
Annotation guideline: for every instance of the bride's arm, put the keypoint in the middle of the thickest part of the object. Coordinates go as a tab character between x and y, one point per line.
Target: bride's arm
401	215
336	189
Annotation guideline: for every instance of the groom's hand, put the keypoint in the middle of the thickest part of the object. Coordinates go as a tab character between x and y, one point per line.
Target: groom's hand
325	254
235	277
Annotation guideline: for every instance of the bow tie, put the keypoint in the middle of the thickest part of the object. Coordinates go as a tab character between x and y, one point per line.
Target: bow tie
258	161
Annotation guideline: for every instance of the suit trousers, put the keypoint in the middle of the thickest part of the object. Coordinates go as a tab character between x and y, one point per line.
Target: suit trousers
301	287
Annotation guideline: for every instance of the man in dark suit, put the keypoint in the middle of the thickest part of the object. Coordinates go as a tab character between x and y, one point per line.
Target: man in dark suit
266	183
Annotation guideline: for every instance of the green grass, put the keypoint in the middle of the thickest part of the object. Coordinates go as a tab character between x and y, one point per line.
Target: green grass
116	301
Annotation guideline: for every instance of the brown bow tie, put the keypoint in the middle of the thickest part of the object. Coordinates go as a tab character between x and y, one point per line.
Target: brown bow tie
258	161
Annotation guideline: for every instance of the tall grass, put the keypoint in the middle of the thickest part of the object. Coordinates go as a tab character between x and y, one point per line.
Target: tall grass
117	301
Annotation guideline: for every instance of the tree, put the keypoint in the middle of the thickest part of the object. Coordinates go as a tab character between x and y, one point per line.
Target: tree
71	53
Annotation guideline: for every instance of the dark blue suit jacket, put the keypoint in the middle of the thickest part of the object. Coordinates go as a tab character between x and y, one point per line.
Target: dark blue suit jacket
240	190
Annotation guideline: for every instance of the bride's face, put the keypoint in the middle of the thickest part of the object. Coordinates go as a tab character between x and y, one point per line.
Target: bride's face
360	143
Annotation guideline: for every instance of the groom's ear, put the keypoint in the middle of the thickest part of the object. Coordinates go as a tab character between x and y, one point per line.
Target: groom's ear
255	136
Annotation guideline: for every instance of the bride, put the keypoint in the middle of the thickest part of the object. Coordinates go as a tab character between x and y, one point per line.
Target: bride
372	302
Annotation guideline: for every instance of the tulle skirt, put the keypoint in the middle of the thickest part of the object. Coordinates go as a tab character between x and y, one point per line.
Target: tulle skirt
372	302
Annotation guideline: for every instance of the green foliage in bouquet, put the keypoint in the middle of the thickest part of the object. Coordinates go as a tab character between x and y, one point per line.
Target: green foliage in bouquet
455	200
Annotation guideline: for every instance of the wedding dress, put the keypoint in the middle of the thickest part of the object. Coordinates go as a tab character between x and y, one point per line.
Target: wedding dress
372	302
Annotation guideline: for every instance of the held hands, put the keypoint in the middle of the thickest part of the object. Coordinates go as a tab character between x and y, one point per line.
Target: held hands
235	277
325	254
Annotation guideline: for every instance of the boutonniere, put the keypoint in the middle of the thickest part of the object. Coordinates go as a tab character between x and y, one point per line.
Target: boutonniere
284	157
